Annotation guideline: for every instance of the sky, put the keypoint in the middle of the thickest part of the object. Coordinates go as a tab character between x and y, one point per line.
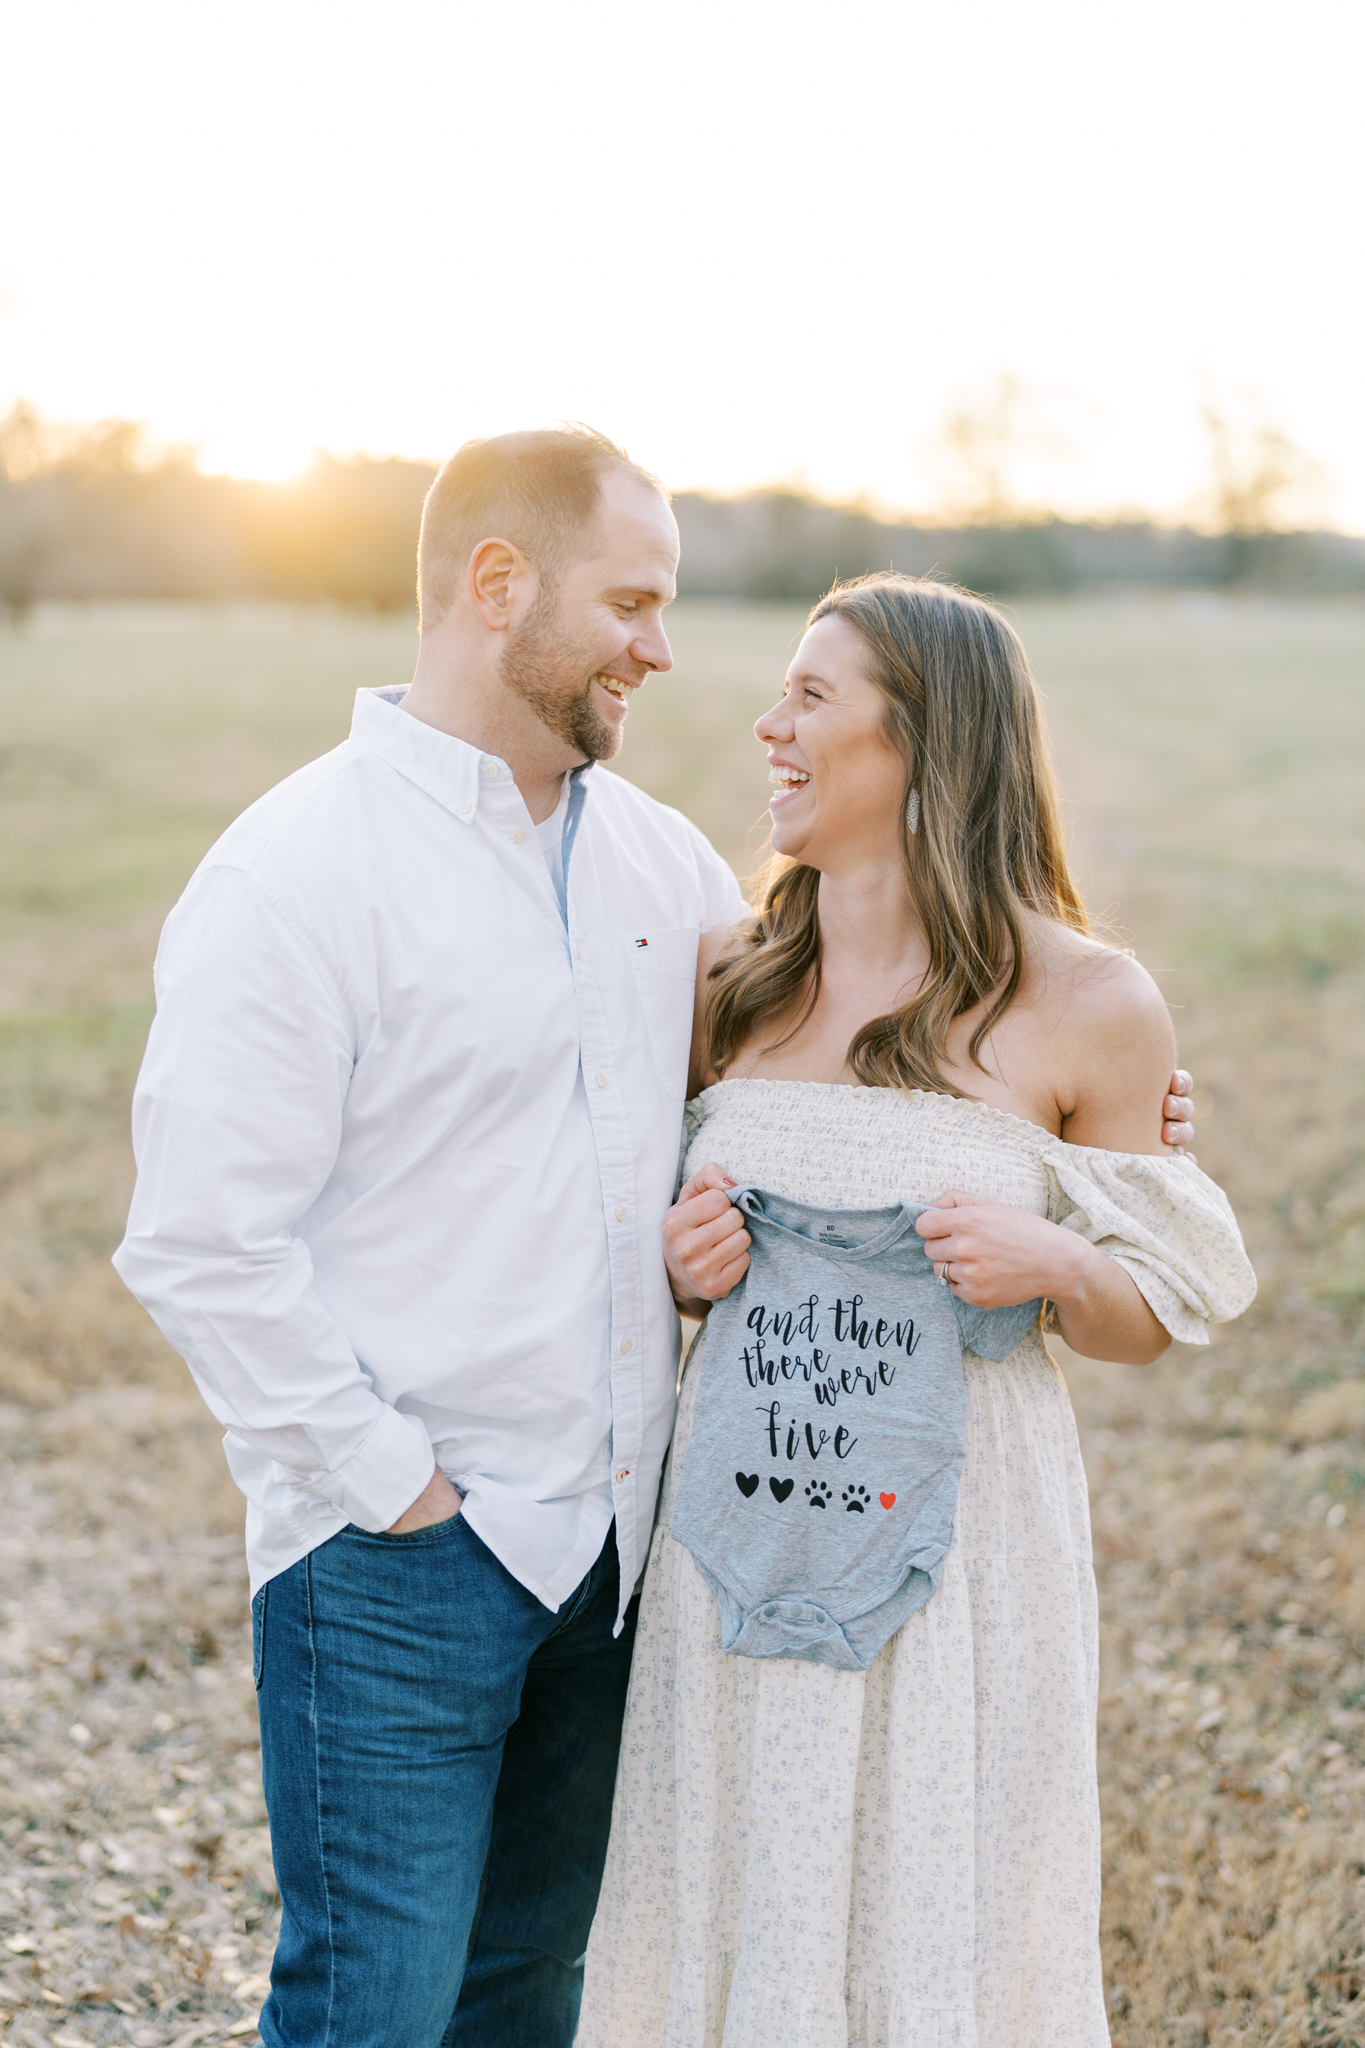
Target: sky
754	242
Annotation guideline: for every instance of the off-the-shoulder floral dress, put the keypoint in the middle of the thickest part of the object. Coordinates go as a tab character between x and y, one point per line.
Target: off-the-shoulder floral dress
906	1857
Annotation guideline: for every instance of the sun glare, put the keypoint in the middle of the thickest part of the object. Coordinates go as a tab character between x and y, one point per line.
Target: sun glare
310	290
269	458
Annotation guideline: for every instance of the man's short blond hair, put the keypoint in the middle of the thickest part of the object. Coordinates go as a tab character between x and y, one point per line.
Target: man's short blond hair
542	491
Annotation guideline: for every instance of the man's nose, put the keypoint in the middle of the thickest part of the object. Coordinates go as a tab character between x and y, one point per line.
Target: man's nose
651	649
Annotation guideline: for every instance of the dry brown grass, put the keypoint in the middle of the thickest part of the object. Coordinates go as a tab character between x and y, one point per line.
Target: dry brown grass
1227	1484
1211	754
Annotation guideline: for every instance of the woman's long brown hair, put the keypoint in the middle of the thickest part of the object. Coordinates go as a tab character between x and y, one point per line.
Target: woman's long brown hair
963	711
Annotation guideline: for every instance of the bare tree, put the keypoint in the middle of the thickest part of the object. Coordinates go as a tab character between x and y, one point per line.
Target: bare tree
26	449
1255	467
26	443
978	451
1260	481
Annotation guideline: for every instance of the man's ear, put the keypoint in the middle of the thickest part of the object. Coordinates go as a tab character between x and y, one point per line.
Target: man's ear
498	579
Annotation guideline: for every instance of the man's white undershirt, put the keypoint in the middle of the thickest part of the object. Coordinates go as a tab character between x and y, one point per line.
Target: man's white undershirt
551	837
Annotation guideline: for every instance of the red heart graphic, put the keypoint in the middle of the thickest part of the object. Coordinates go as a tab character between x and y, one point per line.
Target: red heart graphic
888	1500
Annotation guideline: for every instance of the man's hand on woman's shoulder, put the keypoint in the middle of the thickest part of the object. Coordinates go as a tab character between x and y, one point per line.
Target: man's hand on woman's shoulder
1177	1111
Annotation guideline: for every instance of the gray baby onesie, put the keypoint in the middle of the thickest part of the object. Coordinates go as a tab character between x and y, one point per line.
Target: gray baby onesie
819	1486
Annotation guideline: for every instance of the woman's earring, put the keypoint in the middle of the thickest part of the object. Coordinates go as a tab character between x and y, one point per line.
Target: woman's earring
912	811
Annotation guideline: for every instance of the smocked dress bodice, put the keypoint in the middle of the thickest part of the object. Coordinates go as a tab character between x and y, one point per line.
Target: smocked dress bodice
1164	1221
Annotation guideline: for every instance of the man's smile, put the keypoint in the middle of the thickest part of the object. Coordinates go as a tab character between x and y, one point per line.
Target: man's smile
619	687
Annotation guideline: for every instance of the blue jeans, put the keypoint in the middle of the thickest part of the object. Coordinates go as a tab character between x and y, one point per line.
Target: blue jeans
439	1754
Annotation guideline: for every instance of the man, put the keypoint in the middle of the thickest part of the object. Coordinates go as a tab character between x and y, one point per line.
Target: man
406	1130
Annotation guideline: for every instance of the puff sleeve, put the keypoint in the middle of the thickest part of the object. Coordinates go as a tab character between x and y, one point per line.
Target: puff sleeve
1167	1224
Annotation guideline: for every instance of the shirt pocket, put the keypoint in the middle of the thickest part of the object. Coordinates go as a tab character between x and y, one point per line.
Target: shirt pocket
665	967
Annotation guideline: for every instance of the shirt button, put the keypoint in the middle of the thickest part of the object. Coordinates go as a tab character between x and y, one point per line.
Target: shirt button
490	767
578	952
621	1212
624	1473
601	1080
518	839
627	1344
464	810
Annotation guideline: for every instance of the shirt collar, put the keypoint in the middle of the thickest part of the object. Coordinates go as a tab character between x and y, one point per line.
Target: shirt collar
447	768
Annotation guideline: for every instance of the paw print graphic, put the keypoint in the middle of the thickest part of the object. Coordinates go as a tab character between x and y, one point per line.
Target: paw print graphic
817	1493
855	1500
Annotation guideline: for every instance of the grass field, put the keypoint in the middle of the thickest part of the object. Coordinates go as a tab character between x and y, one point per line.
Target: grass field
1211	755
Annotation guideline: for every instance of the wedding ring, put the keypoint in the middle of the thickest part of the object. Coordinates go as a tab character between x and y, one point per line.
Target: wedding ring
943	1280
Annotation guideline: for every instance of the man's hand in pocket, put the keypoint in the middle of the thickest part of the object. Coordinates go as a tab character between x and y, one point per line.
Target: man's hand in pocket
437	1502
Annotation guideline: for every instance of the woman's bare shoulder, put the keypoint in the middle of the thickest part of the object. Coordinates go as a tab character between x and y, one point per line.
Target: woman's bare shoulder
1114	1033
1099	982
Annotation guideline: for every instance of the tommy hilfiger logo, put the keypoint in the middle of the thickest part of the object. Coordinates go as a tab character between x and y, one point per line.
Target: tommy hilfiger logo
642	942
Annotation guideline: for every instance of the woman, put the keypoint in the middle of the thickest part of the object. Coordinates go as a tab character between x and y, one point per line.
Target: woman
908	1857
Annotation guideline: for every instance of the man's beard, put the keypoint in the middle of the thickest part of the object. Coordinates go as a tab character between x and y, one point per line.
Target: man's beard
535	663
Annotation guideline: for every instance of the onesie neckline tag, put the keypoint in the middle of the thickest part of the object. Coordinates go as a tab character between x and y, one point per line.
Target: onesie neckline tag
828	1228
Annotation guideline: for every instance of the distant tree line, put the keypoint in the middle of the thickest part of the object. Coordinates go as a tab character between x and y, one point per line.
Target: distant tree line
779	544
98	514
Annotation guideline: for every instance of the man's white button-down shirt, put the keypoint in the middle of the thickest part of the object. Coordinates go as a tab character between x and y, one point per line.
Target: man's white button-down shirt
405	1138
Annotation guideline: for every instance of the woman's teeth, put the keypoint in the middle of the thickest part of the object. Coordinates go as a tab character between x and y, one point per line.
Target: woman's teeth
788	778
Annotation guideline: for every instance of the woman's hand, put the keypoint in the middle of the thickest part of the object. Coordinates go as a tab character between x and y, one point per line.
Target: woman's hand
706	1247
995	1257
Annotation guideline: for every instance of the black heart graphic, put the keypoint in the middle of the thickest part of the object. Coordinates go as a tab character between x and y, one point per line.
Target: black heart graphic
747	1483
781	1487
